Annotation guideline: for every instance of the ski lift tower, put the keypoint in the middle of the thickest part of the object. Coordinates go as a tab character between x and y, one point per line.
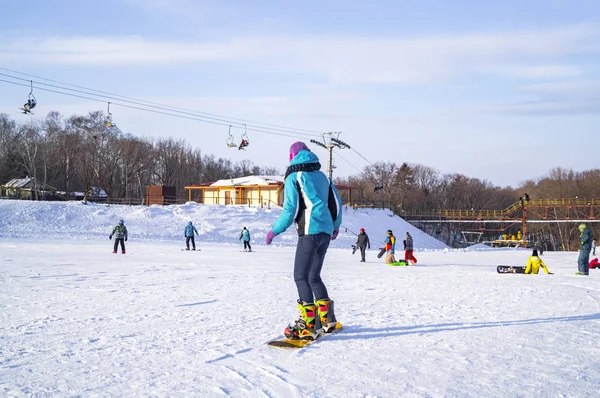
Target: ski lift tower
329	142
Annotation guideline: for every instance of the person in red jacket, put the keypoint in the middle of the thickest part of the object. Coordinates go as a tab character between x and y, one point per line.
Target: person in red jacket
594	264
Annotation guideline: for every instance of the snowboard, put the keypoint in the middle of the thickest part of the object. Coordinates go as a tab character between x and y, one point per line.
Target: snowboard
297	344
400	263
354	249
185	250
381	252
509	269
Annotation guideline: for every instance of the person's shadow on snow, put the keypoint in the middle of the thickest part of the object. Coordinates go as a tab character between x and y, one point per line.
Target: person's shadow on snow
358	332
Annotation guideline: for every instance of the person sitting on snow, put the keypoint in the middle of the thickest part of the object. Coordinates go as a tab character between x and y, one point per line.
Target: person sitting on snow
595	264
534	264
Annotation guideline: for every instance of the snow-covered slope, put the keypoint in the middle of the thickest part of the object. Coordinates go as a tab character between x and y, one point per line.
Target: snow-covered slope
215	224
77	320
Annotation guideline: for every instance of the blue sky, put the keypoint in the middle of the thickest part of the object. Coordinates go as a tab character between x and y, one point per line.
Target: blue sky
502	91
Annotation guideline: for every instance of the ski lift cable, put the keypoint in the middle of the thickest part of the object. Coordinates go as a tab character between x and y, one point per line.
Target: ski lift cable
358	153
91	91
351	164
198	119
170	109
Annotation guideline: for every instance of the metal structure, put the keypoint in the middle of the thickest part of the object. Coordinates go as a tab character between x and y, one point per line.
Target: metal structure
330	143
522	212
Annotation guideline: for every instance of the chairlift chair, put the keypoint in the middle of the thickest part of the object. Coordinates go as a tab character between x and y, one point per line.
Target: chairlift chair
230	140
31	102
244	143
108	122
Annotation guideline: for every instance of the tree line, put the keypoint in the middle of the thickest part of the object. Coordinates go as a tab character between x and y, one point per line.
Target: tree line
76	153
405	188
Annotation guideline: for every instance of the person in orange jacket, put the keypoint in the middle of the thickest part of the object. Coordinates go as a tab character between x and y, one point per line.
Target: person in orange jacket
535	263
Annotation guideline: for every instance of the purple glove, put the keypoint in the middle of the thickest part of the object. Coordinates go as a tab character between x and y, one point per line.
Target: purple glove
270	237
334	234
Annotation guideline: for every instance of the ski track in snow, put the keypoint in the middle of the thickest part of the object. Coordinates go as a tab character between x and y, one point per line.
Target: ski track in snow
77	320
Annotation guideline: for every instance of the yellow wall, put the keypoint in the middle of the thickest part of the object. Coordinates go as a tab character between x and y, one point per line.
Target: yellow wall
244	195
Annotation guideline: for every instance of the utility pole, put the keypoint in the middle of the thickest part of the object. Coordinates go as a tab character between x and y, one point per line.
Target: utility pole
329	143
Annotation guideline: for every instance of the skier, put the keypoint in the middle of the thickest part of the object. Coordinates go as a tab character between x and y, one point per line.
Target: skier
584	252
245	236
188	232
121	236
390	247
314	204
408	250
362	242
534	264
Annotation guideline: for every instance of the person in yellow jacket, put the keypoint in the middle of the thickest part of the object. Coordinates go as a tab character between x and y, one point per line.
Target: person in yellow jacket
534	264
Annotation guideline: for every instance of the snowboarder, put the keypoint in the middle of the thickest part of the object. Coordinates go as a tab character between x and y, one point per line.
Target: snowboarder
188	232
362	242
390	247
245	236
408	250
584	251
314	204
120	232
534	264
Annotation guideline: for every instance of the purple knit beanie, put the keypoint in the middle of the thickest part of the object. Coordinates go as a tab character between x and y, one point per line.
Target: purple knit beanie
297	147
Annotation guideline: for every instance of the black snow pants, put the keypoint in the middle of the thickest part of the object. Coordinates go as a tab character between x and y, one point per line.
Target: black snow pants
187	242
117	241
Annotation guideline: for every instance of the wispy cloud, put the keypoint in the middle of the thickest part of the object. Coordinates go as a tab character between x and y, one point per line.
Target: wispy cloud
181	8
569	97
339	59
547	71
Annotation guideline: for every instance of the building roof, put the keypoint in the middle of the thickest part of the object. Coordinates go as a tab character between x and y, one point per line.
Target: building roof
18	182
249	181
26	183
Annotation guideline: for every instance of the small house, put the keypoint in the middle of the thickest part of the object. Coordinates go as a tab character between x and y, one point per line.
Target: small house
25	188
257	191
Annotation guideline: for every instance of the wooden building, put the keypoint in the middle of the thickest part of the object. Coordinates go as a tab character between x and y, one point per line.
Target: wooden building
160	195
259	191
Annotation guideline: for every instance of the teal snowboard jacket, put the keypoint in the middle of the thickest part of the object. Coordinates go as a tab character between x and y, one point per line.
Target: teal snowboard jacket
309	199
245	235
189	230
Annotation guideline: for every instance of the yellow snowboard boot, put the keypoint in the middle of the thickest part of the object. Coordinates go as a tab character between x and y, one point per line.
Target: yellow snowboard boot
307	326
326	315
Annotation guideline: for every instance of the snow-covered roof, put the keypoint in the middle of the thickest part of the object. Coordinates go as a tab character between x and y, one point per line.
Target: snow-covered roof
18	182
249	181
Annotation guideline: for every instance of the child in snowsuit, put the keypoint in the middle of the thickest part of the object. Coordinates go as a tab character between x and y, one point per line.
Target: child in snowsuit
584	251
188	232
390	247
594	263
314	204
408	250
534	264
362	242
245	237
120	232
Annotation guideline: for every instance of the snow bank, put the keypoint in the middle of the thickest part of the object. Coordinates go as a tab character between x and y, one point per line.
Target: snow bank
215	223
